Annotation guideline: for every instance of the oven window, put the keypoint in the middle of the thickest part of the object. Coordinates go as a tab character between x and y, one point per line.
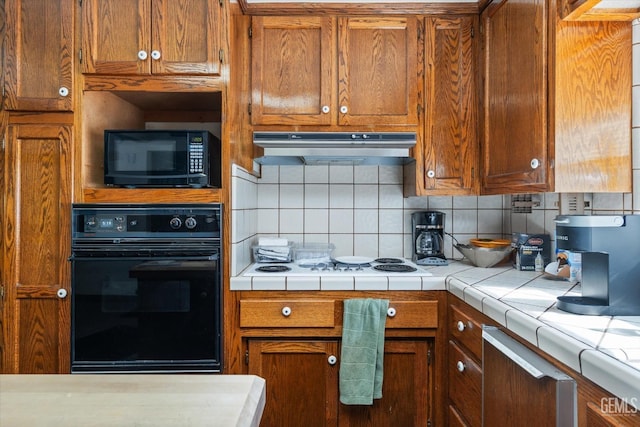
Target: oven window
145	309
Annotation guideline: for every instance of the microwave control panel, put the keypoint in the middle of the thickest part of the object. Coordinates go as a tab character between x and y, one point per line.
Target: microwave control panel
196	154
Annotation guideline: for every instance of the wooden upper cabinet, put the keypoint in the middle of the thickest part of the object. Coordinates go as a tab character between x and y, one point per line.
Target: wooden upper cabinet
515	139
334	71
592	107
448	156
557	101
292	70
151	37
38	62
377	71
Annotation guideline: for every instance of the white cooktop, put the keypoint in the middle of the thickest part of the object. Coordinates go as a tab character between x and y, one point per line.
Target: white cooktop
334	269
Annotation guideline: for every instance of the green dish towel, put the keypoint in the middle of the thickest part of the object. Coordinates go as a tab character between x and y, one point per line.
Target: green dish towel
362	356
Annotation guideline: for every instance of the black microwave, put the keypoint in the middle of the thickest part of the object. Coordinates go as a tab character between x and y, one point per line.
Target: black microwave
161	158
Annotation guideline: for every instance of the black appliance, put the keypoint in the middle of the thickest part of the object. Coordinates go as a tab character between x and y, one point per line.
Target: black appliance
161	158
427	228
609	246
146	288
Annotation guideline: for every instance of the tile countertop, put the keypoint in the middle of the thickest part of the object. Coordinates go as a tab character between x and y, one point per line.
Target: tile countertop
605	349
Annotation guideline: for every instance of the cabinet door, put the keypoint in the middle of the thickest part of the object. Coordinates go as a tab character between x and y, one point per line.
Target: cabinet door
302	383
38	64
185	37
36	230
406	394
292	70
116	36
377	71
515	134
449	160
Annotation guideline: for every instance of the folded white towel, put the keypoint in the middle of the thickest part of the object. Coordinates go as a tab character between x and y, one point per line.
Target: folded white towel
272	241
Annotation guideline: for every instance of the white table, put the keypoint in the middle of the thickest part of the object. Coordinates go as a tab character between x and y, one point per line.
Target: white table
89	400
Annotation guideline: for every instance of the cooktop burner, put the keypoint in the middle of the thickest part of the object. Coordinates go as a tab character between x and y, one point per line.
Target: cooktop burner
273	269
379	267
395	268
389	260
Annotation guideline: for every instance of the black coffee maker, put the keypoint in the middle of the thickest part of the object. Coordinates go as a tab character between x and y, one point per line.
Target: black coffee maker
428	238
609	249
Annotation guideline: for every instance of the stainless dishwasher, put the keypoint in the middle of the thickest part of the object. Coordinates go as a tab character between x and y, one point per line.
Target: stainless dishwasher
520	388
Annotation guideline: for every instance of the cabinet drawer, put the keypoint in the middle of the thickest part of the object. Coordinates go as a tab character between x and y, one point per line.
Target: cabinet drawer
466	330
287	313
465	385
412	314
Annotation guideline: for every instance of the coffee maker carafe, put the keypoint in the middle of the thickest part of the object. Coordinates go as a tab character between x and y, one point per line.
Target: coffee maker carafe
428	238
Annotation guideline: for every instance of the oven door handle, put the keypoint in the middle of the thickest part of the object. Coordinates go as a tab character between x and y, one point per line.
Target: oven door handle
214	257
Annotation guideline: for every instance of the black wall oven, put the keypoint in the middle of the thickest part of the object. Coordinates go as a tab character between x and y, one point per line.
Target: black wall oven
146	288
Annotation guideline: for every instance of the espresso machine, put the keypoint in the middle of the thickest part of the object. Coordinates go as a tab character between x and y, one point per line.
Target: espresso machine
609	248
428	238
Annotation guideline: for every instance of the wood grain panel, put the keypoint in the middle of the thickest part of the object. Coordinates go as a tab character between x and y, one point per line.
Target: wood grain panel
413	314
377	70
302	387
465	388
113	34
292	63
449	164
406	399
592	107
471	334
515	96
36	245
512	395
41	36
187	34
303	313
360	8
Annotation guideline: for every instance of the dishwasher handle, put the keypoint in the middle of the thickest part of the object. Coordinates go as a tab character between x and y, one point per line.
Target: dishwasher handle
535	365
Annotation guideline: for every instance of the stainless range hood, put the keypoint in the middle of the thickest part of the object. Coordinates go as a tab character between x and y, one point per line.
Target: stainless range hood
349	148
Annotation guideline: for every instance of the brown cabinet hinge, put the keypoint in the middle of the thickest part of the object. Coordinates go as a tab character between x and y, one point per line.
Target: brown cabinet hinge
246	357
221	55
2	287
250	32
249	108
473	32
428	357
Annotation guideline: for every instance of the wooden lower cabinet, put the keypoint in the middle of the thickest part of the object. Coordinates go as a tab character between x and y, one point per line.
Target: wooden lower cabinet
293	340
464	363
303	376
302	383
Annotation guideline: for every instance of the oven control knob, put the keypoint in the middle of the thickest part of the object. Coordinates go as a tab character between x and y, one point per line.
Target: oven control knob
190	223
175	223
